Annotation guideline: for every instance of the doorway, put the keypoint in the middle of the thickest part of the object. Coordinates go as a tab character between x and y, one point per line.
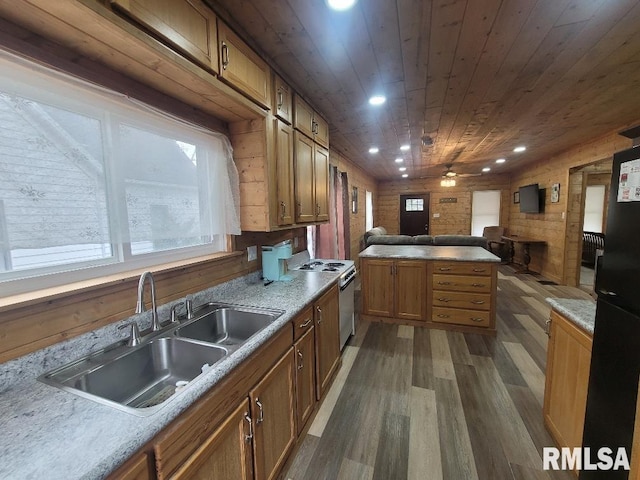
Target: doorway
414	214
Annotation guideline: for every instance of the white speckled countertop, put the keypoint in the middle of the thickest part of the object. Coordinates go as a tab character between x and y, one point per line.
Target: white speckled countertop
53	434
580	312
429	252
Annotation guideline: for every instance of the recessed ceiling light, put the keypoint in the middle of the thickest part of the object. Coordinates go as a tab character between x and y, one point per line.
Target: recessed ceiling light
374	150
405	175
501	160
519	149
377	100
404	148
399	160
402	169
341	4
486	169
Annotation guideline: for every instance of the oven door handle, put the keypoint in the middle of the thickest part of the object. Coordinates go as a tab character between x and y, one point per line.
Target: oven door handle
348	282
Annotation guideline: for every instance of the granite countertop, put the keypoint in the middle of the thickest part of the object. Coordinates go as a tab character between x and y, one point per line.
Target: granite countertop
430	252
580	312
53	434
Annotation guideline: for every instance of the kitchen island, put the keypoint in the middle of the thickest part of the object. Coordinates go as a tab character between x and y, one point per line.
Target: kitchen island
50	433
447	287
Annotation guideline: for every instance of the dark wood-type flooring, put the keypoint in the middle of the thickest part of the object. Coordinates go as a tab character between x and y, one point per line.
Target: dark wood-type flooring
417	403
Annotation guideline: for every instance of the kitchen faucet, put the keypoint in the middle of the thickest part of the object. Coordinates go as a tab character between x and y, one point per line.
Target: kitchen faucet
155	324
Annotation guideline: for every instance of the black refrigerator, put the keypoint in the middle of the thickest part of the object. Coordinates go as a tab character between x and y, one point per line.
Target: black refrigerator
615	358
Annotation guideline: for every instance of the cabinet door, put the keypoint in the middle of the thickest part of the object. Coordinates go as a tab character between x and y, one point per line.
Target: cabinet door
321	183
136	468
321	128
242	68
377	287
327	324
283	101
273	407
305	378
411	290
188	25
303	117
226	453
303	159
567	381
284	173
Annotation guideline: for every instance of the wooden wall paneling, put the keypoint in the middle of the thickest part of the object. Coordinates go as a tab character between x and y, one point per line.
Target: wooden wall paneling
250	152
559	258
387	205
573	236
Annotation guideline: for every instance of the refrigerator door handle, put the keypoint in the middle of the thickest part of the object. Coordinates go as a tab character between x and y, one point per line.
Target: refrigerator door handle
607	293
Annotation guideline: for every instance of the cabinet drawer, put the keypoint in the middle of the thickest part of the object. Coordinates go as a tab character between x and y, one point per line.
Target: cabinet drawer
302	323
471	301
462	268
461	316
463	283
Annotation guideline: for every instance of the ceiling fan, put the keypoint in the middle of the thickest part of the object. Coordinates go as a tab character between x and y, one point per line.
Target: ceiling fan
449	173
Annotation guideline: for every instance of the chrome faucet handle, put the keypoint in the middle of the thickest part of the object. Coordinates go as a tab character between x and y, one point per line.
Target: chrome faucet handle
189	305
173	313
134	336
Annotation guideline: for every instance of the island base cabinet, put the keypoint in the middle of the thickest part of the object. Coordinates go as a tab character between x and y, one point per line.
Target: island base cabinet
567	381
225	454
273	408
377	286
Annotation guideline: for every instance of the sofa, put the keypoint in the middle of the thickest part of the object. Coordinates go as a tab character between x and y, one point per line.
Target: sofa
379	236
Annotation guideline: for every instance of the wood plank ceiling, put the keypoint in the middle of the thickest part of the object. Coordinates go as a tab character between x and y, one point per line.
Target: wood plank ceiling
479	77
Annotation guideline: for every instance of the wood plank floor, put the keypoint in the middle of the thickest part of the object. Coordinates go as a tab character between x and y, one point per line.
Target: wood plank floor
416	403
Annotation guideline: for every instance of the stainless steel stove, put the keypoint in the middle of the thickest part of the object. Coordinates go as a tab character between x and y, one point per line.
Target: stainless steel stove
347	271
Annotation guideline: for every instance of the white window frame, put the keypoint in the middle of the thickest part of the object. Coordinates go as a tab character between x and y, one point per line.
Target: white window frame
485	210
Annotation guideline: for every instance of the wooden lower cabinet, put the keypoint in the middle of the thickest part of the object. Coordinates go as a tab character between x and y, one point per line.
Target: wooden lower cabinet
304	350
327	326
567	381
137	467
272	408
225	454
395	288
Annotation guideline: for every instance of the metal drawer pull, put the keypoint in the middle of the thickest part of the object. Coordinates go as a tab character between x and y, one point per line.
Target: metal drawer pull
442	315
547	329
476	319
248	437
305	324
477	284
444	269
280	99
443	299
477	302
317	209
444	283
284	209
301	364
225	56
319	310
261	414
478	270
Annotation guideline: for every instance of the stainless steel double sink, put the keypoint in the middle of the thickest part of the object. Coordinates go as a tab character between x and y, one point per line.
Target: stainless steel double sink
139	379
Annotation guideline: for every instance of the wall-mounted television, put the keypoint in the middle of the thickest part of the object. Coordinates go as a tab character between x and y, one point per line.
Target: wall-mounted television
531	200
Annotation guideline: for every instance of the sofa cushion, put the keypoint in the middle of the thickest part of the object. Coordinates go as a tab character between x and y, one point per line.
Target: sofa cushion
460	240
390	240
423	240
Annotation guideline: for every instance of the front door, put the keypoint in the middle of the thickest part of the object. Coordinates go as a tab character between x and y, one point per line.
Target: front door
414	214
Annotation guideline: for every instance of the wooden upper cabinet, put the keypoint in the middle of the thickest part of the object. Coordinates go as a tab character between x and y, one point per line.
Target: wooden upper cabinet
304	171
321	183
309	122
188	25
242	68
284	207
283	100
273	408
